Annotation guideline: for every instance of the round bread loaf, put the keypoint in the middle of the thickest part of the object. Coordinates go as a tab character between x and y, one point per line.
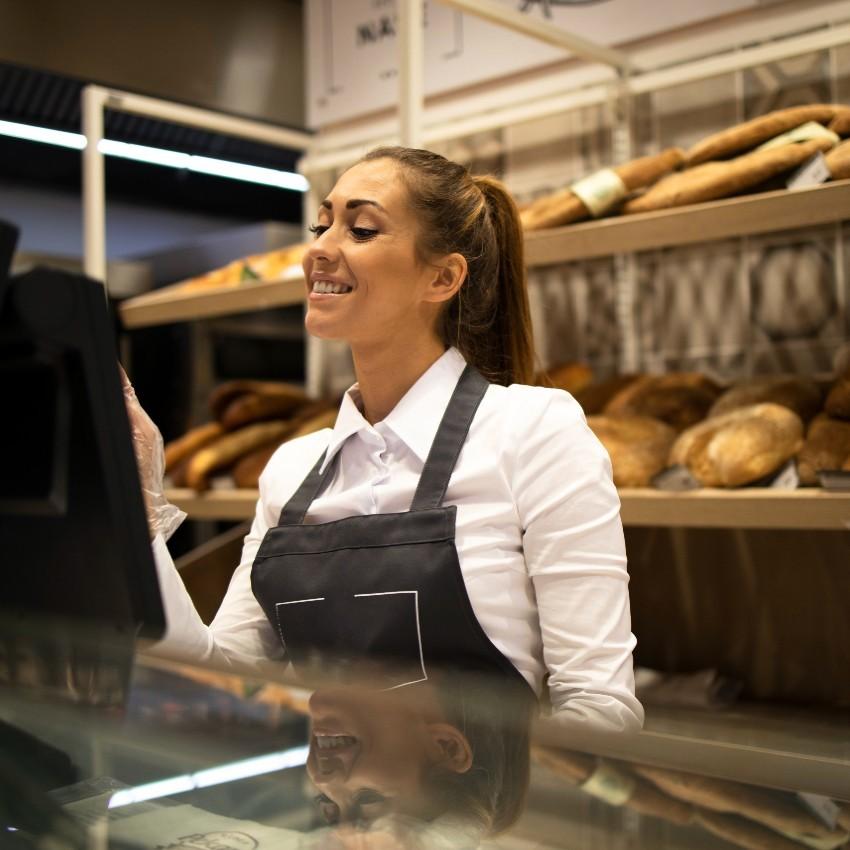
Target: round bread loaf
680	399
741	446
827	446
801	395
637	445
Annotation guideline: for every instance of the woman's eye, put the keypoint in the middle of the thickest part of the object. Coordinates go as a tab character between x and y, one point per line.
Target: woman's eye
363	232
317	229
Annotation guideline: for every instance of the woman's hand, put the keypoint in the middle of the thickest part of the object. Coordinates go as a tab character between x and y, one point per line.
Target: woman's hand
163	517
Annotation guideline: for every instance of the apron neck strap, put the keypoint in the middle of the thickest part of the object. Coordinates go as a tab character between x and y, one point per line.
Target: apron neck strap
295	509
451	435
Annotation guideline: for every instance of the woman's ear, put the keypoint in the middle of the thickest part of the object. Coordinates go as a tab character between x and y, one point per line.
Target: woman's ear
448	748
449	275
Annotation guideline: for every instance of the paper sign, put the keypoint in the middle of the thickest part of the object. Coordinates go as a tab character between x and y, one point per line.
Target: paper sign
812	172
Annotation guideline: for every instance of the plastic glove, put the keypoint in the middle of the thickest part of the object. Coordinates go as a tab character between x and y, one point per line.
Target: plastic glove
163	517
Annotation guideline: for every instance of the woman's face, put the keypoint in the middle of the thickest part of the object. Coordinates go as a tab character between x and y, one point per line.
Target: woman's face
365	282
368	754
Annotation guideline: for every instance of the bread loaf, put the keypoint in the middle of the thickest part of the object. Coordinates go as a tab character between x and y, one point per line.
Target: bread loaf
680	399
566	207
773	809
742	832
741	446
838	161
247	470
841	123
743	137
827	446
229	448
180	449
594	397
801	395
713	180
227	392
252	407
571	377
637	445
837	402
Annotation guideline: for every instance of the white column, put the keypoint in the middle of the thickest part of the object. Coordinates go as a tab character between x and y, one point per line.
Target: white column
411	71
94	190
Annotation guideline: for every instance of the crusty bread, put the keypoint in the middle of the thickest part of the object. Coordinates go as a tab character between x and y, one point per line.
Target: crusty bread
637	445
742	832
252	407
827	446
183	447
680	398
571	377
841	123
778	811
229	448
741	446
743	137
837	402
564	207
594	397
228	391
801	395
712	180
838	161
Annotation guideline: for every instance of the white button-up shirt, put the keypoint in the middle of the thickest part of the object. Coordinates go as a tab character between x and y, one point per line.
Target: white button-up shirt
538	536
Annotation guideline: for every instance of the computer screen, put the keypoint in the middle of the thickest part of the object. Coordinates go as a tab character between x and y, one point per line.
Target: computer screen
74	544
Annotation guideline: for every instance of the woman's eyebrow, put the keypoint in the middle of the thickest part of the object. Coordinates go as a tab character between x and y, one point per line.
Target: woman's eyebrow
353	204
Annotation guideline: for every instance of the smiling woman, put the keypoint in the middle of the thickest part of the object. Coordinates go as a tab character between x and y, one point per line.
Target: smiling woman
454	520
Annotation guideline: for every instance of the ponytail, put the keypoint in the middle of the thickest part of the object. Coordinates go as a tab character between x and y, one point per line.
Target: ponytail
489	320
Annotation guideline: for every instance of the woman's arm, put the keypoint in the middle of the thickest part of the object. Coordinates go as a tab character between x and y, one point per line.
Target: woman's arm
575	554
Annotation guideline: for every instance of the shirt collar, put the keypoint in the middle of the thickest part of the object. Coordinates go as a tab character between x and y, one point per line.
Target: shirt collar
415	419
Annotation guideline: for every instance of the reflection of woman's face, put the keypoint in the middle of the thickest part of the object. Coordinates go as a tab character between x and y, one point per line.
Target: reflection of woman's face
368	753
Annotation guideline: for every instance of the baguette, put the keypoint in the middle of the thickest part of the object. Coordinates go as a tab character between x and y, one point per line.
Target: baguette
228	448
565	207
713	180
841	123
743	137
225	393
769	808
742	832
180	449
838	161
827	446
801	395
251	407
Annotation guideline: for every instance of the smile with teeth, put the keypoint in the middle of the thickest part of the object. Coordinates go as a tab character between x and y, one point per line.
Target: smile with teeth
334	742
329	287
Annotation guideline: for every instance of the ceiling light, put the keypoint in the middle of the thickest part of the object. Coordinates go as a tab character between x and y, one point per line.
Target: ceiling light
159	156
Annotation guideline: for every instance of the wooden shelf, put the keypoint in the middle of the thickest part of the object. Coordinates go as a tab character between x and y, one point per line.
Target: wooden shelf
748	508
772	746
176	304
748	215
751	214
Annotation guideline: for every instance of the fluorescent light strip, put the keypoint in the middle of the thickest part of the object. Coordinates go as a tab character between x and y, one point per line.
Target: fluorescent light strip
295	757
159	156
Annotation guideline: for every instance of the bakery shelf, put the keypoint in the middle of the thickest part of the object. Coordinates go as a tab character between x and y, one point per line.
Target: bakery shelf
743	216
176	304
768	745
747	508
750	507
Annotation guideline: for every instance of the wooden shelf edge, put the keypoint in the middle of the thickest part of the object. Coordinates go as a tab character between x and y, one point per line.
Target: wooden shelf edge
748	215
176	304
748	508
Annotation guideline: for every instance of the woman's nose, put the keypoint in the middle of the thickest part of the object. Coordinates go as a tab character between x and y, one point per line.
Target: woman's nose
323	247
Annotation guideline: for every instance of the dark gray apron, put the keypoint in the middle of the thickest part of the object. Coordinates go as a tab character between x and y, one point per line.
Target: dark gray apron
380	589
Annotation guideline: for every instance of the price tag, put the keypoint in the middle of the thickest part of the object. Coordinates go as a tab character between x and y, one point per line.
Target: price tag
675	478
821	807
787	478
812	172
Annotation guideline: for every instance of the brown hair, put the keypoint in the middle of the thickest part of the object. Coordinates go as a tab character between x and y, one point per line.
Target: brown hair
489	320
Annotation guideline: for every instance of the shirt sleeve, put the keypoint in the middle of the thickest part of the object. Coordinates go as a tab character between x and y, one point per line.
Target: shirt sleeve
240	635
575	554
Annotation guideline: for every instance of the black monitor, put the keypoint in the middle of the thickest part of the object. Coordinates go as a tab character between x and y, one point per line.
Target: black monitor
75	555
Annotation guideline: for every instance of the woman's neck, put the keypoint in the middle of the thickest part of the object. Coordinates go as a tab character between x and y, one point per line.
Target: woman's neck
386	372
